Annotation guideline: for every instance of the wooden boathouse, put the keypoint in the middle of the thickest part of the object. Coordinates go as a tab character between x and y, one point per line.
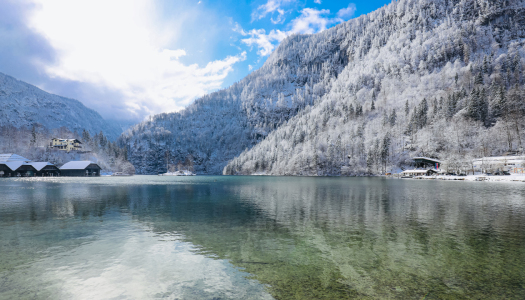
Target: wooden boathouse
45	169
80	169
425	162
13	165
16	169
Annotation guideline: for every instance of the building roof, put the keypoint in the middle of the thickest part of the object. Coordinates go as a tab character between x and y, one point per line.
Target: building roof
418	171
427	158
501	158
76	165
13	165
40	165
73	140
8	157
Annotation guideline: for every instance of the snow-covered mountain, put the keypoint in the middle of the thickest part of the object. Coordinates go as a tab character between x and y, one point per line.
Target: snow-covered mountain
416	77
23	105
217	127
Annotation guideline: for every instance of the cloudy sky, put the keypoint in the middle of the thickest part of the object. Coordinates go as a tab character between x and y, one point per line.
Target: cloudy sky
129	59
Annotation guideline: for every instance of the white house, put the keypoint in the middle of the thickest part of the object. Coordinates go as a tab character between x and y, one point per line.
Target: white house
511	164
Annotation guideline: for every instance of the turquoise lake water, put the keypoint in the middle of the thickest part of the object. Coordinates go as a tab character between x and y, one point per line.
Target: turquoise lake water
222	237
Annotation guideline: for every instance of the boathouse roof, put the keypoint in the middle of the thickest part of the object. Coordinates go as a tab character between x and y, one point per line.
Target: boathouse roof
9	157
13	165
426	160
40	165
76	165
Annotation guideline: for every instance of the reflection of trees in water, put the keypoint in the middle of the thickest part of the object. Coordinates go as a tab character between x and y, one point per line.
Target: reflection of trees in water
405	239
326	238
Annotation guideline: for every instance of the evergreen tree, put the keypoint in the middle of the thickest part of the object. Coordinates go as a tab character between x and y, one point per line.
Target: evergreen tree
351	110
370	161
407	108
359	110
486	66
483	109
385	150
499	104
478	105
33	136
473	103
422	112
393	117
386	119
373	106
451	106
102	140
85	136
479	78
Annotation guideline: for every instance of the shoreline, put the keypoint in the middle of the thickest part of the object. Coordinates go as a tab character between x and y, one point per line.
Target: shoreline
502	178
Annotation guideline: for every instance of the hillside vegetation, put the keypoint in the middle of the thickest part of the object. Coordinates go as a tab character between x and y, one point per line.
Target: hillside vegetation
416	77
425	78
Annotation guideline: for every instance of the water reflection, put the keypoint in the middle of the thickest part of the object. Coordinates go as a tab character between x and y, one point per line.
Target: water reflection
235	237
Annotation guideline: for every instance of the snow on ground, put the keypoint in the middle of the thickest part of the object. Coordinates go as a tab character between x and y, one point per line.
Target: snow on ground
508	178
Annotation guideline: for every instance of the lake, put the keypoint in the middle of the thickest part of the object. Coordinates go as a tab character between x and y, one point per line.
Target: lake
223	237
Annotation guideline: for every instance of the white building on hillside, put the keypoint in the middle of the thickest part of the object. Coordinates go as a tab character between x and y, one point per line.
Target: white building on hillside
65	144
511	164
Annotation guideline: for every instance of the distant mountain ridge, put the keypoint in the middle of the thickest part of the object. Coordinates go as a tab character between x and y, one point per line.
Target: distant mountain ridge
22	105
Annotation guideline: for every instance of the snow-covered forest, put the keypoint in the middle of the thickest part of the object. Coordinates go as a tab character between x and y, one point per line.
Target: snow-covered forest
33	144
416	77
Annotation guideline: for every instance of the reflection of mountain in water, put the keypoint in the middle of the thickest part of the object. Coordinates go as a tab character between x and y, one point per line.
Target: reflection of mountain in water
337	238
317	237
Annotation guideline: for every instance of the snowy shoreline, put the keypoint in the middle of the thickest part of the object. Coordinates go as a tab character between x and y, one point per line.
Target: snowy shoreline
509	178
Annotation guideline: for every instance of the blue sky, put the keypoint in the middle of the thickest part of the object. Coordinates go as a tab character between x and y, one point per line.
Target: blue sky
129	59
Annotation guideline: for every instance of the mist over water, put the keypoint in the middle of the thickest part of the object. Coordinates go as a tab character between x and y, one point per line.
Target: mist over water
219	237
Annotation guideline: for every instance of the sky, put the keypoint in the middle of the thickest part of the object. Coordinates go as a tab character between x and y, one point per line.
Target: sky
128	59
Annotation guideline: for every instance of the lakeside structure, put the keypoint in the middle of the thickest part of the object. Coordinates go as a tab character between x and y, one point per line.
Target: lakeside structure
425	166
426	162
80	169
510	164
45	169
497	168
412	173
13	165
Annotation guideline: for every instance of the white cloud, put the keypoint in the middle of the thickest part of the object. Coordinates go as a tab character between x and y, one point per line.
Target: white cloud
317	1
271	7
123	47
348	12
265	42
310	21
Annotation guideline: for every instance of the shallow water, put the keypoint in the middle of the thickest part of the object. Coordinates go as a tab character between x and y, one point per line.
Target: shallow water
207	237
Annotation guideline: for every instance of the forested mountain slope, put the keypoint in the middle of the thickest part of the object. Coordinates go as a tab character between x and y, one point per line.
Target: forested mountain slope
444	76
218	127
436	78
23	105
